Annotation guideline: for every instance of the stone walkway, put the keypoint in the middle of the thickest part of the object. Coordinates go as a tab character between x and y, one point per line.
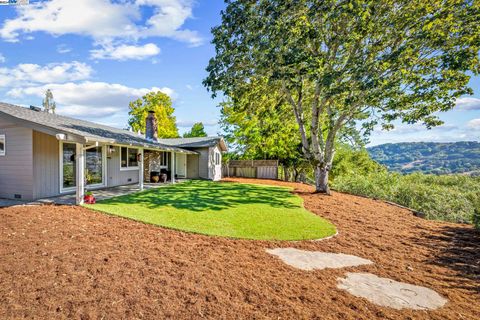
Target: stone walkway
381	291
390	293
311	260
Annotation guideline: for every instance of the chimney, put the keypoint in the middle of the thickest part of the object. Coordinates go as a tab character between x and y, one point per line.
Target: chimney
151	126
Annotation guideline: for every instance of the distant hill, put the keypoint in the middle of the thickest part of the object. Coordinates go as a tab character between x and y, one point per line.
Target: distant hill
429	157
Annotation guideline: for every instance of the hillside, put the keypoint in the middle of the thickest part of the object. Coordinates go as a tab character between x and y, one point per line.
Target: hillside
429	157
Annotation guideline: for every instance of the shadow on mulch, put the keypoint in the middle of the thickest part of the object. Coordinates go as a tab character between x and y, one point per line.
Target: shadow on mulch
457	248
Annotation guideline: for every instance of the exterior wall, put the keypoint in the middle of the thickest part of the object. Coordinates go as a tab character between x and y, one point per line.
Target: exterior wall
192	166
46	165
115	176
214	171
16	167
203	163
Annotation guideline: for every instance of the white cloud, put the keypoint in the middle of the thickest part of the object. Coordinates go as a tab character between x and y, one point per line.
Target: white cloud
125	52
63	48
88	94
468	103
101	102
474	124
28	73
2	58
104	20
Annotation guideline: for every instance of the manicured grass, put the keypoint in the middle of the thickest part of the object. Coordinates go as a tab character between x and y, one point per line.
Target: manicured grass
223	209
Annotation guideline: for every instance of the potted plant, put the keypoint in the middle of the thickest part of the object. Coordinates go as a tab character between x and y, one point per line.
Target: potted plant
89	198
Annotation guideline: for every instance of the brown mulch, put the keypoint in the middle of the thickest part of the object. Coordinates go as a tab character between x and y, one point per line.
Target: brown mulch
70	262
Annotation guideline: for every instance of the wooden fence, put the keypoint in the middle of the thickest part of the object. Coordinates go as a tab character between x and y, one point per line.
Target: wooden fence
261	169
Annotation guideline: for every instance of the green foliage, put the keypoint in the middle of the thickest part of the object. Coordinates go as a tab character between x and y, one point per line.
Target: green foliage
255	125
450	198
223	209
353	162
161	104
429	157
341	62
198	130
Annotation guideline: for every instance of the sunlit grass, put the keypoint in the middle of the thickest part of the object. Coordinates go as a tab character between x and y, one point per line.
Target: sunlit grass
222	209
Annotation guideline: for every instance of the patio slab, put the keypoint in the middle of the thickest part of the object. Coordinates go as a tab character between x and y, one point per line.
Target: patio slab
102	194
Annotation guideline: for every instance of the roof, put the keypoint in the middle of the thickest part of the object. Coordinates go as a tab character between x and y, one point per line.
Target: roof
197	142
90	131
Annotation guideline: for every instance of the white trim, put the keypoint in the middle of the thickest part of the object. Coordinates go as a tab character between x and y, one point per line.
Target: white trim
4	151
80	173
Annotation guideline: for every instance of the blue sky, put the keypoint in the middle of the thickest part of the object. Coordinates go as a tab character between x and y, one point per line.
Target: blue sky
97	55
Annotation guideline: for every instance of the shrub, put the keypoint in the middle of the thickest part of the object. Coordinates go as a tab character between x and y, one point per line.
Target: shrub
451	198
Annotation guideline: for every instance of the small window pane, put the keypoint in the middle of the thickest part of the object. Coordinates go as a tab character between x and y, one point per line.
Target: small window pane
132	157
123	161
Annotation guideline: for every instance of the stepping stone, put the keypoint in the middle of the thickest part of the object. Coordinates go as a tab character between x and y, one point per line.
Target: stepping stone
311	260
390	293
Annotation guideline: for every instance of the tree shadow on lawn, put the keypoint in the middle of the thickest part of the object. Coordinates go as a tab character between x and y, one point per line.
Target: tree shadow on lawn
205	196
457	248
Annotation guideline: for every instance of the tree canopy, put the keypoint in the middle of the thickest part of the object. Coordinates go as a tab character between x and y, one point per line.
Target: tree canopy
197	130
342	63
161	104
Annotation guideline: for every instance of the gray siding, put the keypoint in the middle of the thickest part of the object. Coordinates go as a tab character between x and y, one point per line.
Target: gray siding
16	167
192	166
45	165
202	162
116	177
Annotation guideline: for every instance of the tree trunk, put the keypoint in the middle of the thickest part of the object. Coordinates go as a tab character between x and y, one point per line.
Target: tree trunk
321	180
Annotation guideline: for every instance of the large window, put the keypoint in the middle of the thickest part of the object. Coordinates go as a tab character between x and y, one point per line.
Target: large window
129	158
94	166
2	144
163	159
69	165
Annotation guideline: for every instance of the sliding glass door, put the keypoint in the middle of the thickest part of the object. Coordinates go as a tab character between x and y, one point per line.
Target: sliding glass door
68	166
94	167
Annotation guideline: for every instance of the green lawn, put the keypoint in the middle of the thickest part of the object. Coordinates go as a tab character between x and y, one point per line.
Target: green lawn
222	209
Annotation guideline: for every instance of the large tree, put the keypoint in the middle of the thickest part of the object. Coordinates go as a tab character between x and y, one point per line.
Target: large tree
161	104
343	62
197	130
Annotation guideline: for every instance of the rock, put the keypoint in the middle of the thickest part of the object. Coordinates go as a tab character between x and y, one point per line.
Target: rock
311	260
390	293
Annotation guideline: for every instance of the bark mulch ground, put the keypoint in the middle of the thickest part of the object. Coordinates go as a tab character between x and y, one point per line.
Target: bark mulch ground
70	262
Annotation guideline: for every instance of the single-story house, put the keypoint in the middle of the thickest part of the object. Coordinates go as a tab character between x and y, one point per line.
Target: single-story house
46	155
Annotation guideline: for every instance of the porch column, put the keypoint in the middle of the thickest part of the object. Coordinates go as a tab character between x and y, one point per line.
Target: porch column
140	170
80	174
172	166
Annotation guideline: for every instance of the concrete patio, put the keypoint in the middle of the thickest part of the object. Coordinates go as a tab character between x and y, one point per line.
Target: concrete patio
100	194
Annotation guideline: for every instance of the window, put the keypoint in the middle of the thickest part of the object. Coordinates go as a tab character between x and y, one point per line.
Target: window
217	158
163	159
94	166
2	144
129	158
69	165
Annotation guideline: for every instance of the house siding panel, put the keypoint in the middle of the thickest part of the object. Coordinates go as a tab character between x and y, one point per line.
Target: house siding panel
202	162
16	167
45	165
115	176
192	166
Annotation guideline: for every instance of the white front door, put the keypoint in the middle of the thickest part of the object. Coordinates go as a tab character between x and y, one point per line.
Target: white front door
181	165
